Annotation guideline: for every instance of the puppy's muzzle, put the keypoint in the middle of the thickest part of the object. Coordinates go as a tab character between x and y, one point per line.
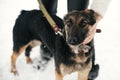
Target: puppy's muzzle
73	41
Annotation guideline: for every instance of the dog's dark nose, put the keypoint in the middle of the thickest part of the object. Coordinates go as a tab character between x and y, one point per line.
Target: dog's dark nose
73	41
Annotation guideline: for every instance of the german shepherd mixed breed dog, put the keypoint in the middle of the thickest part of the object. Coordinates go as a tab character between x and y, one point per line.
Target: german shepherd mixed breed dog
32	29
70	54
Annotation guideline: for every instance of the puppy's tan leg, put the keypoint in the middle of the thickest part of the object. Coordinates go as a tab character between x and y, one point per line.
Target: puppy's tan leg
29	60
32	44
83	74
14	58
27	54
58	75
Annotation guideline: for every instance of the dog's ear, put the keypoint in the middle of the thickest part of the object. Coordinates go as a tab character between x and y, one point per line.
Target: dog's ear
66	17
69	14
92	15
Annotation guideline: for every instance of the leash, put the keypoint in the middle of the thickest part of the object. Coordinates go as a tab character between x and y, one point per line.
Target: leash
49	19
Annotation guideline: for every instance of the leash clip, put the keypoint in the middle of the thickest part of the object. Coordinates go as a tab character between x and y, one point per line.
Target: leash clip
59	33
57	30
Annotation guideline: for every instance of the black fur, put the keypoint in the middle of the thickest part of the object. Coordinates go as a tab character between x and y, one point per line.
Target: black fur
32	25
77	25
45	53
75	22
64	54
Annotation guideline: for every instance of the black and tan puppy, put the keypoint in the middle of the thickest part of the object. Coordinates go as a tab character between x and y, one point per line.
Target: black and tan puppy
70	54
32	28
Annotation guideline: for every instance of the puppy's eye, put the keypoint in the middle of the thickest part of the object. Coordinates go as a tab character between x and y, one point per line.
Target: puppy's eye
84	23
69	22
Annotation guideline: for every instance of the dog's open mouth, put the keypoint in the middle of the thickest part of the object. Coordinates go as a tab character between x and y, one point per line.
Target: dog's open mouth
80	49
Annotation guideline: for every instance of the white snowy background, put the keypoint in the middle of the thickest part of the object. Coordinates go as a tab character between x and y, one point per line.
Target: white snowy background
107	43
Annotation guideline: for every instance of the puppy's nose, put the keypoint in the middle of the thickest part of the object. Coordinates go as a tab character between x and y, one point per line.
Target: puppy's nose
73	41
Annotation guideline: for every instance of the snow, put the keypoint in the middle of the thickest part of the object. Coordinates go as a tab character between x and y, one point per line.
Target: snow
107	44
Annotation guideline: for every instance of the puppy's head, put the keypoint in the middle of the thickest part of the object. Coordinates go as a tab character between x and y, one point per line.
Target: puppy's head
77	25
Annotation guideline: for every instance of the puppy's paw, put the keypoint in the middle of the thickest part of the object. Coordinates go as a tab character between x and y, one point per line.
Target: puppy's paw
40	64
29	60
14	71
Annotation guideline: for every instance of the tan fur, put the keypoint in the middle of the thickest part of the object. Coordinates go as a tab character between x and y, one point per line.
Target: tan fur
16	54
14	58
34	43
96	15
83	74
68	70
82	66
58	75
29	60
80	59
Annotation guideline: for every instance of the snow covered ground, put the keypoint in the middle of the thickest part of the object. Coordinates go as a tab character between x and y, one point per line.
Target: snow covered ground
107	43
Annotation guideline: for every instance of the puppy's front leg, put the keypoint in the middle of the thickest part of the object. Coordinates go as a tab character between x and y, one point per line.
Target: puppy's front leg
83	73
58	75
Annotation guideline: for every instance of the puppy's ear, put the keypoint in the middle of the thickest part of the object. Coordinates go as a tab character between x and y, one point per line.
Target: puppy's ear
93	16
66	17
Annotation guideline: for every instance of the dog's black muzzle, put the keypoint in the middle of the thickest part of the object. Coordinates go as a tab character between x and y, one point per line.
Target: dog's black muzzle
75	40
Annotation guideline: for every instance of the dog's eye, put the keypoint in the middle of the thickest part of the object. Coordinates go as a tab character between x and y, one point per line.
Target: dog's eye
69	22
83	23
